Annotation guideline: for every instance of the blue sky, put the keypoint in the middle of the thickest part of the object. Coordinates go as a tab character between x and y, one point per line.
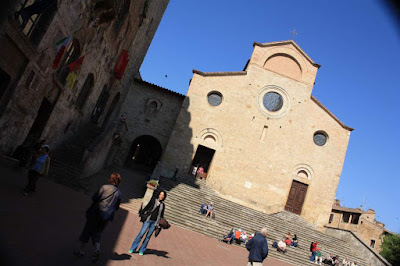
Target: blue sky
357	44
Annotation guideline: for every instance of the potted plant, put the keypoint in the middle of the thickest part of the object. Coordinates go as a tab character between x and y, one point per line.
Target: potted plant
152	184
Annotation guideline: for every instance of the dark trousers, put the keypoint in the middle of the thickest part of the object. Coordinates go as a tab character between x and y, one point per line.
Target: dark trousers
33	177
93	228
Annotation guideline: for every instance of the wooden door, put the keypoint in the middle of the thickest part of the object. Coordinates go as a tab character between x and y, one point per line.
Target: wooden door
296	197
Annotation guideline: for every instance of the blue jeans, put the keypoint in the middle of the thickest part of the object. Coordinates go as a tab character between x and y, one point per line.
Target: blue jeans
294	244
313	256
151	225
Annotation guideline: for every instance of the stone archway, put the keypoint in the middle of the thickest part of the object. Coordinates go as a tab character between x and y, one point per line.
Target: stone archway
144	153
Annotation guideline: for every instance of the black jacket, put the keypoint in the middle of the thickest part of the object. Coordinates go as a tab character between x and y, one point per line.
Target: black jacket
146	211
258	247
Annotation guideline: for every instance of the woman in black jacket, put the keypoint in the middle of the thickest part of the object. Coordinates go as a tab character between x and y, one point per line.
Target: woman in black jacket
150	216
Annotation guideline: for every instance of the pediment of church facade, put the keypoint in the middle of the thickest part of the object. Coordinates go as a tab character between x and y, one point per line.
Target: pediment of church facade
287	59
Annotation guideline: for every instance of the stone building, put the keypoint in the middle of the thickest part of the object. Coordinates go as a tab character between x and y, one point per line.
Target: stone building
263	139
361	222
39	101
151	114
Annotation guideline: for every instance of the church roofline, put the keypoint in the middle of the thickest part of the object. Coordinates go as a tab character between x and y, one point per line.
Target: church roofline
211	74
288	42
331	114
158	87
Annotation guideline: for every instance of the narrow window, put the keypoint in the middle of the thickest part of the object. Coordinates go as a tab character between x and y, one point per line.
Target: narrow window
346	217
331	218
372	245
85	91
355	218
29	79
4	82
263	137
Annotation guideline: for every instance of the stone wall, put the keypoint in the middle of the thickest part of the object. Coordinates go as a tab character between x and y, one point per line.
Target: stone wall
359	245
142	120
259	153
33	80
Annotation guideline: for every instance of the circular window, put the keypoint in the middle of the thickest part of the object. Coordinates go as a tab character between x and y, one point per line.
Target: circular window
320	138
273	101
214	98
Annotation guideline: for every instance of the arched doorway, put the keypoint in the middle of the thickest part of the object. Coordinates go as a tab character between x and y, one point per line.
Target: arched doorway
144	153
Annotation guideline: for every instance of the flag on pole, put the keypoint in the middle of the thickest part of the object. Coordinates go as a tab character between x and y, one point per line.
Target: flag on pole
71	78
76	63
61	48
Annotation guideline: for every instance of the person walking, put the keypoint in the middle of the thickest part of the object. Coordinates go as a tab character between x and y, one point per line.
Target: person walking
40	167
258	247
104	203
150	216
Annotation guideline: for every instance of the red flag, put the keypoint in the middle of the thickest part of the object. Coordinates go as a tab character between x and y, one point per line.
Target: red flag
61	48
120	67
58	58
76	63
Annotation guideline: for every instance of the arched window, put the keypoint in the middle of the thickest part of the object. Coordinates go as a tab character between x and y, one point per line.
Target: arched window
35	18
112	108
101	104
85	91
72	54
4	81
122	8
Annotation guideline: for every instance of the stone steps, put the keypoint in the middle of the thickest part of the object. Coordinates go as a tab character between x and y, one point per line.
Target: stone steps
184	201
222	209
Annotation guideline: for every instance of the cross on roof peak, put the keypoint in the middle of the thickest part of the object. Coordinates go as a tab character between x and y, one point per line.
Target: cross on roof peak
293	32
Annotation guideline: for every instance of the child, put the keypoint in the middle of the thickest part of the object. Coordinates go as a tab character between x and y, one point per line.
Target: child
318	257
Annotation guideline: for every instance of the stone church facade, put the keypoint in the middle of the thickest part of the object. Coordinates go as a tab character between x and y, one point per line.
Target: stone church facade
37	101
263	140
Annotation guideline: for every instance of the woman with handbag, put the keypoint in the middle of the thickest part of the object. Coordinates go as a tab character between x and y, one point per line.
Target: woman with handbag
150	217
105	202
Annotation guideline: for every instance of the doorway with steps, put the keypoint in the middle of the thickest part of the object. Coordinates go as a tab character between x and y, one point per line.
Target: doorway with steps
203	158
296	197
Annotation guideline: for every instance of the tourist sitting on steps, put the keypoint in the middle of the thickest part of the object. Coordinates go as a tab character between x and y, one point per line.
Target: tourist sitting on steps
210	210
346	262
229	237
335	260
294	242
203	209
328	259
243	237
238	235
282	246
288	242
318	257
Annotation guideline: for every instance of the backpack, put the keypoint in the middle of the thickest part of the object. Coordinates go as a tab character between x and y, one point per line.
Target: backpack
275	245
311	246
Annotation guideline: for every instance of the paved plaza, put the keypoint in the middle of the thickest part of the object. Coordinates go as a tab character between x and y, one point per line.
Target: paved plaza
42	229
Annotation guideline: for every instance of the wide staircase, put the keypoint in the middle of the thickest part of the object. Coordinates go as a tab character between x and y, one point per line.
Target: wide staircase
66	161
183	205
